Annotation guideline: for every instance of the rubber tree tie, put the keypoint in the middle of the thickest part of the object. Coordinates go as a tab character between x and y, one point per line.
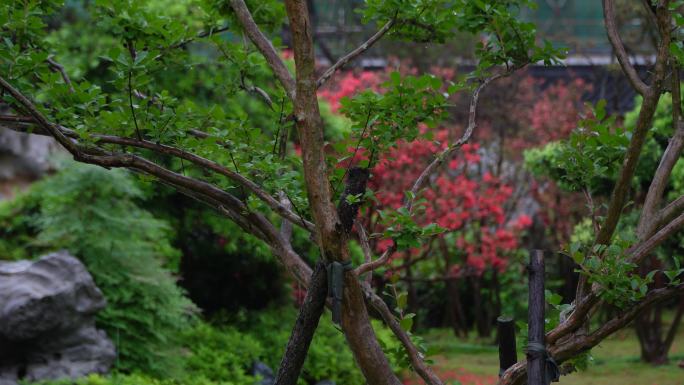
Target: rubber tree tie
336	287
551	370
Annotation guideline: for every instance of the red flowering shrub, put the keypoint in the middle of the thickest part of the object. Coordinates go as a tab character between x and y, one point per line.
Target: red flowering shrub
459	198
475	196
349	84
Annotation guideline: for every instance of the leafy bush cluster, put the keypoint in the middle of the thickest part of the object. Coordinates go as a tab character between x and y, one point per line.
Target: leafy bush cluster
589	160
95	215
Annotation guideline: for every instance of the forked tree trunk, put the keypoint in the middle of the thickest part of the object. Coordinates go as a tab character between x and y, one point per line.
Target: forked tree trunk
355	323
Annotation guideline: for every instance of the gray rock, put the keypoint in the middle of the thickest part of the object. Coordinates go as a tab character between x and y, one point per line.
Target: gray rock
263	372
25	155
47	321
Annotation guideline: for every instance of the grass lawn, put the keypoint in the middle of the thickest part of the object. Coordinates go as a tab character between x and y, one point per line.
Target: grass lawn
616	362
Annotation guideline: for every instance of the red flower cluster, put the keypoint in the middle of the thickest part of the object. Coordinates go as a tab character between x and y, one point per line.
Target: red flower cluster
348	85
459	199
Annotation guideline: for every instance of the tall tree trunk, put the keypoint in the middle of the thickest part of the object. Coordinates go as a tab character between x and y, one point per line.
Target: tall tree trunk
454	311
480	308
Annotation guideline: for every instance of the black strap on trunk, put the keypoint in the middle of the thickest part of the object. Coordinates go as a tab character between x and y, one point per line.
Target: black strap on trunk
336	286
551	372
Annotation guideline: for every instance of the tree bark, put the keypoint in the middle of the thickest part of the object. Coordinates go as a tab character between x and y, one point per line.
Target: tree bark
304	328
330	236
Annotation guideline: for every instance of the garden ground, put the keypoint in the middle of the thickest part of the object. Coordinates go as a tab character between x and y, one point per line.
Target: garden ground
616	362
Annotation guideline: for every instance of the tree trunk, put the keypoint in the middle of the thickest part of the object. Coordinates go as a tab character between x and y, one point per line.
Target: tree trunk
454	311
649	325
480	308
304	329
361	337
329	235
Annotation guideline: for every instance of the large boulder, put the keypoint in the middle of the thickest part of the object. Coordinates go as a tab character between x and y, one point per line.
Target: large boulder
47	321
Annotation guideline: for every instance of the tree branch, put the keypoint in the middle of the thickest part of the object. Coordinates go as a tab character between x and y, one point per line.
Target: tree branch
372	265
649	215
674	326
59	68
269	200
304	328
651	96
432	167
638	252
355	53
40	118
570	347
668	213
423	178
365	247
416	358
225	202
264	46
579	344
619	48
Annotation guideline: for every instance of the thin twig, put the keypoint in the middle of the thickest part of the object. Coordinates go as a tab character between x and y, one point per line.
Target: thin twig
416	357
424	176
130	104
59	68
355	53
264	46
619	48
365	247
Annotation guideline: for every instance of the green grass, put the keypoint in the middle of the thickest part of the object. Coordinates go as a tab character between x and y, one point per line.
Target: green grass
616	361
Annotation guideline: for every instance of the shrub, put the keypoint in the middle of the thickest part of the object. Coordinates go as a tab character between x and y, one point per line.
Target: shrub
221	353
93	213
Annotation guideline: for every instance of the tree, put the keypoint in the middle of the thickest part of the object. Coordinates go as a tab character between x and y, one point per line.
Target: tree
654	337
134	120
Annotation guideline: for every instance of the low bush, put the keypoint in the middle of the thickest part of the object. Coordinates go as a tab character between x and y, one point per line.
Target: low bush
217	352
